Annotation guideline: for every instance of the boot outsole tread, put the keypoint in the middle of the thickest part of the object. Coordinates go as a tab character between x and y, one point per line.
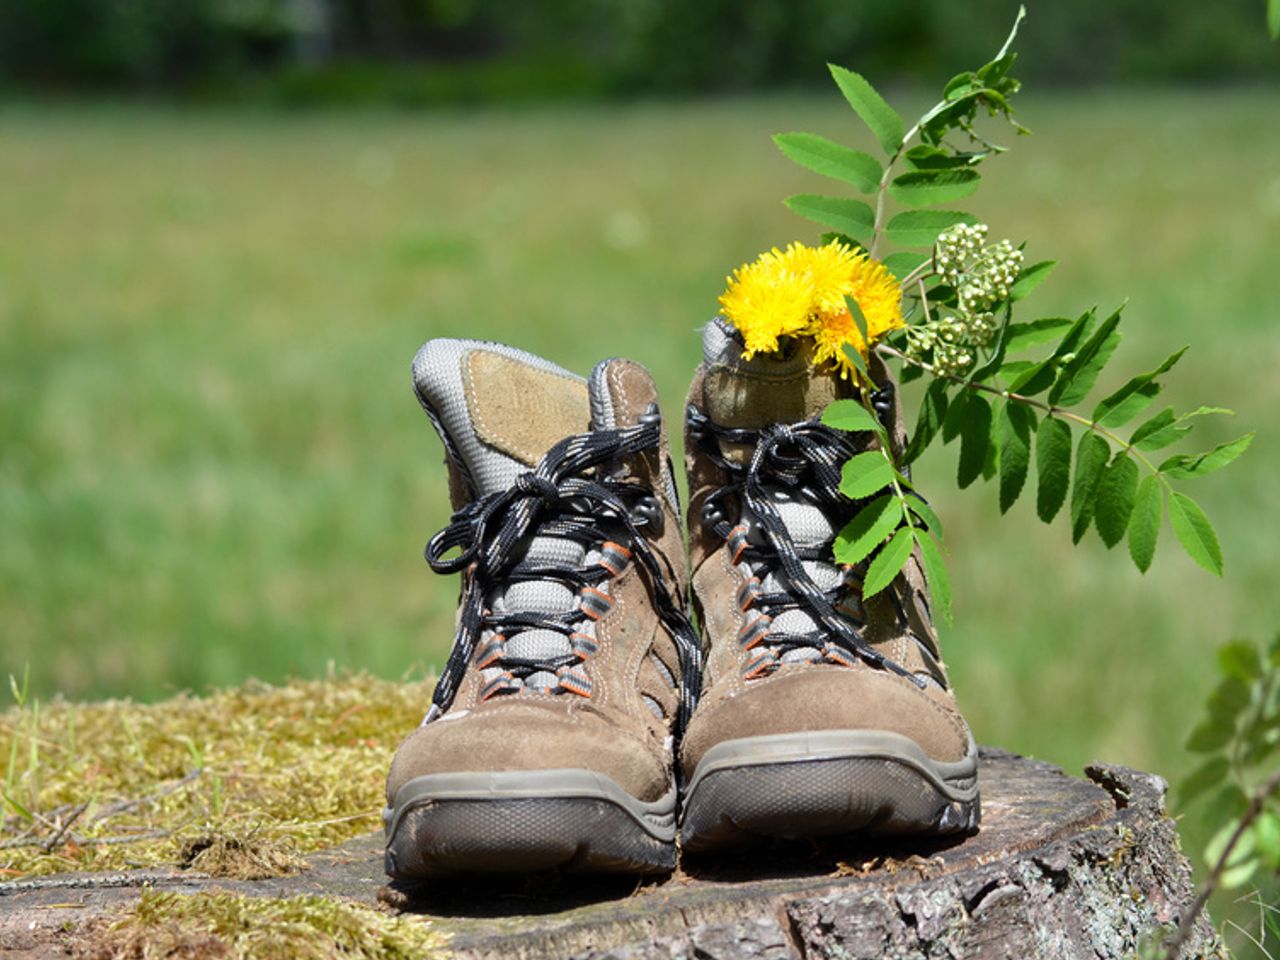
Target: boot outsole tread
874	796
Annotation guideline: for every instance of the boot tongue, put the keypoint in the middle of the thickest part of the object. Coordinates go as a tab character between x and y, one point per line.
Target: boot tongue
497	409
782	387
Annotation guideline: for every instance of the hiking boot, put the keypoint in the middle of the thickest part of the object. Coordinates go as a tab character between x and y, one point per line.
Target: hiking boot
549	739
819	714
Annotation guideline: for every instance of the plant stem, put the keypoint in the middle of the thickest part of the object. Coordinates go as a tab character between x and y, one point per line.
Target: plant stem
1064	414
1185	925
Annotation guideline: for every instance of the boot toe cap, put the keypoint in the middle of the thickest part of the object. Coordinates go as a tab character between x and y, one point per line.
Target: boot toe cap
815	698
522	736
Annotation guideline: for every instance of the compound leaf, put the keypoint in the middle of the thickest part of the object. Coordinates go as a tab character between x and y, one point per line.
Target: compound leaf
888	562
1079	375
1144	524
935	571
1195	532
880	118
932	411
830	159
852	217
1016	424
925	188
1053	466
1186	467
920	228
1092	455
868	529
850	415
1117	491
1030	278
865	474
975	437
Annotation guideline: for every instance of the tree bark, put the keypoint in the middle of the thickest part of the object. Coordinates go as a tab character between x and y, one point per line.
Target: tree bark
1061	868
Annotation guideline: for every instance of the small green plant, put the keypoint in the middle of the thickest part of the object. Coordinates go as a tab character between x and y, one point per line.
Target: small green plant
1012	392
1239	738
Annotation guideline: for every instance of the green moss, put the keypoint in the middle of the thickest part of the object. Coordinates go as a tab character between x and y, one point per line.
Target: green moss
229	925
238	783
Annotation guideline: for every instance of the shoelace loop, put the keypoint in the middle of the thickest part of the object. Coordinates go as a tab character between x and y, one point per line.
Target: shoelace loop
564	496
806	459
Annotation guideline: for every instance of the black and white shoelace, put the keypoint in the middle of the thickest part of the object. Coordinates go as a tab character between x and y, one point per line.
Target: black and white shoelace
571	496
805	459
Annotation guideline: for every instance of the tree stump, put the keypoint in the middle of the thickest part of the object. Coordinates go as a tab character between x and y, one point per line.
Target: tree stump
1062	868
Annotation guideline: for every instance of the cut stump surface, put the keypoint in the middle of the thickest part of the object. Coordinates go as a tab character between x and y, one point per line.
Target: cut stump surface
1061	868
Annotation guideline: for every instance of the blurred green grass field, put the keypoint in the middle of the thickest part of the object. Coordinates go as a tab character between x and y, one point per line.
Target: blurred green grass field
212	466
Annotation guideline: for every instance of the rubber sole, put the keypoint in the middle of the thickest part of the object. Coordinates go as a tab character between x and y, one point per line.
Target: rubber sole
825	783
575	820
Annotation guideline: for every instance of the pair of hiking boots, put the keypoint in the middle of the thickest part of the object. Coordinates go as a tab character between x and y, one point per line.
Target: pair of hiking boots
581	722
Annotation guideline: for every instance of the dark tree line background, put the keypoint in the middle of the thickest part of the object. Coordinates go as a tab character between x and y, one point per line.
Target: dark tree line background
433	51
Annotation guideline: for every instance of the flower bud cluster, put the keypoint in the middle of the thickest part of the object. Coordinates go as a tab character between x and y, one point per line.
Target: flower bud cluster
982	274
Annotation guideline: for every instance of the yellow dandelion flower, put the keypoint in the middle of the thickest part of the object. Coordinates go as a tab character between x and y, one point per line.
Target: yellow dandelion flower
801	292
765	301
879	298
828	269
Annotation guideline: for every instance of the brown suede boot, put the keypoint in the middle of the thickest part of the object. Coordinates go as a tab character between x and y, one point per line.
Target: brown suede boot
549	739
817	715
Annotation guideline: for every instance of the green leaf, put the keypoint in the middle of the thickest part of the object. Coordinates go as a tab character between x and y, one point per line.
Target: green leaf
1186	467
1195	532
1117	491
1022	336
925	513
932	410
1079	375
1030	278
1240	659
1266	831
1206	411
996	357
1034	378
865	474
1210	736
1206	776
1240	862
975	438
1016	424
920	228
1092	455
1144	524
925	188
868	529
904	263
923	156
856	358
848	216
831	159
953	423
1053	466
1273	19
1134	397
880	118
1159	431
850	415
1074	337
935	571
888	562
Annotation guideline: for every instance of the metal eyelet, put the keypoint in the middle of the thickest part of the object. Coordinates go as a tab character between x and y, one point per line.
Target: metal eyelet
648	513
